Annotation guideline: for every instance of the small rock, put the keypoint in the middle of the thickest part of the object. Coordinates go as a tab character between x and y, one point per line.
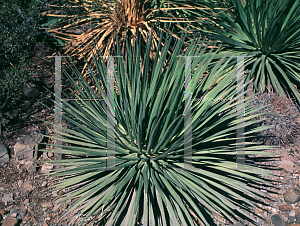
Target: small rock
277	221
64	206
54	193
44	183
285	207
31	166
4	157
27	186
20	182
31	91
13	210
291	219
47	204
1	188
2	212
292	213
239	224
8	197
288	166
26	218
14	215
297	211
46	168
23	213
27	147
56	207
10	221
27	200
257	211
297	220
291	196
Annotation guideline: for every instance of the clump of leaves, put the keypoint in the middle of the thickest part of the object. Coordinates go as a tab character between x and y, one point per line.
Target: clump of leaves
103	20
268	32
147	178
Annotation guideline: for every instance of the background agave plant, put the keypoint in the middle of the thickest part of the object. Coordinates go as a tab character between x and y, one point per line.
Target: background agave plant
107	19
151	183
267	30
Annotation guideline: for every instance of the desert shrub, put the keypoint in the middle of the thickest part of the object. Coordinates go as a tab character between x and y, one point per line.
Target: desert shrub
19	25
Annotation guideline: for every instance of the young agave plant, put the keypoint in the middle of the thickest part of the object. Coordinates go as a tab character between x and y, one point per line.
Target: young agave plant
148	178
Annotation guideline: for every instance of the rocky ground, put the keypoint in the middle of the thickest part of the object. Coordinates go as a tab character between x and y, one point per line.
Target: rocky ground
25	194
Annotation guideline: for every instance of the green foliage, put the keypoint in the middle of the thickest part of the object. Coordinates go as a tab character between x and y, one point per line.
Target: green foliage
19	29
153	183
269	32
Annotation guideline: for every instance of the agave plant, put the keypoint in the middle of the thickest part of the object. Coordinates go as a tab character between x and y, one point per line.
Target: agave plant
108	18
152	181
269	32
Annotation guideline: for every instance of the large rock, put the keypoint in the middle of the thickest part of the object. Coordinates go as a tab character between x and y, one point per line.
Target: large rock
8	197
4	157
288	166
10	221
277	221
27	147
31	91
291	196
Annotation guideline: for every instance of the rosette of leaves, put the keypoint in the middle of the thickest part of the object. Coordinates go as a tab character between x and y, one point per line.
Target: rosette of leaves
101	20
152	181
268	32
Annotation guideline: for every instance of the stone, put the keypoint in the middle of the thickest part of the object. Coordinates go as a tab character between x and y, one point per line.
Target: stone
297	220
8	197
26	218
27	186
285	207
14	215
12	211
22	213
258	210
10	221
239	224
44	183
292	213
288	166
56	207
31	91
297	211
27	147
291	196
4	157
20	182
46	168
47	204
31	166
277	221
54	193
2	211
